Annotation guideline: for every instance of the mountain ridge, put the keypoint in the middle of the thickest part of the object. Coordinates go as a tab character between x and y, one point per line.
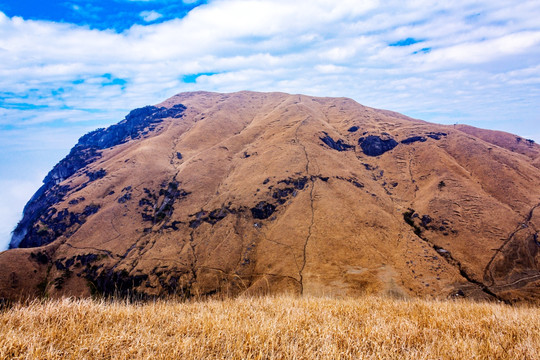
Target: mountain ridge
269	192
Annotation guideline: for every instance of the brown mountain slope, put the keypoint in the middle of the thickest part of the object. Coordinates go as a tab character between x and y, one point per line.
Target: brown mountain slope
270	192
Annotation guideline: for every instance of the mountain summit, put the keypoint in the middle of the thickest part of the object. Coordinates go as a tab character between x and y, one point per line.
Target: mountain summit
259	193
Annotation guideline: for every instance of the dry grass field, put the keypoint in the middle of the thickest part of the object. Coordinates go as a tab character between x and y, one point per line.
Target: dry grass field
282	327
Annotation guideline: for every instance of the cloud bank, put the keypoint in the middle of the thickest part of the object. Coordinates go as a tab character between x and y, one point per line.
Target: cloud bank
400	55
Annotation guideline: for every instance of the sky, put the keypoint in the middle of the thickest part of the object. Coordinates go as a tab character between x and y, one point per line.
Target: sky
70	66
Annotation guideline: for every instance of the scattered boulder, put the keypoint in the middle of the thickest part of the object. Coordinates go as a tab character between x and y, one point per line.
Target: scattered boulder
353	129
126	197
426	220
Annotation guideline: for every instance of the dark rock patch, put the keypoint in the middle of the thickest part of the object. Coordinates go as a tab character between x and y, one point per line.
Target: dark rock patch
173	225
413	139
353	129
409	217
263	210
158	207
76	201
63	264
298	184
217	215
41	257
426	220
90	209
212	217
92	176
124	198
54	224
281	195
198	220
353	181
339	145
436	135
145	202
37	207
176	111
179	156
368	167
86	259
375	146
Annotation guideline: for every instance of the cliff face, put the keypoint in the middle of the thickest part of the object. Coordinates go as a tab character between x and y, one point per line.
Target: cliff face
139	122
259	193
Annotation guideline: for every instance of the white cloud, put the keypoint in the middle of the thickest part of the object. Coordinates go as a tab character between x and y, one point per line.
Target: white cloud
489	50
14	195
303	39
150	16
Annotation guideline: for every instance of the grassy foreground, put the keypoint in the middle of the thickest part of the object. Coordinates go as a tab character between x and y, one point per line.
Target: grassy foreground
269	328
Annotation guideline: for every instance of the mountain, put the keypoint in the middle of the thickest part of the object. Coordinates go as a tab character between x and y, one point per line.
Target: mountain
258	193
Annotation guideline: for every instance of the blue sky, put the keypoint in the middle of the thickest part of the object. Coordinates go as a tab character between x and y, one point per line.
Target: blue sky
68	67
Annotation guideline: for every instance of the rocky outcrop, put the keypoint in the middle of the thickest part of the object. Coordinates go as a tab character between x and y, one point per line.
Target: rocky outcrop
137	123
338	145
263	210
56	223
436	135
413	139
373	145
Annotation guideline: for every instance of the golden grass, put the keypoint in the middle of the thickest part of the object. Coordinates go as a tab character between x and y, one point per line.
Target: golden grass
269	328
